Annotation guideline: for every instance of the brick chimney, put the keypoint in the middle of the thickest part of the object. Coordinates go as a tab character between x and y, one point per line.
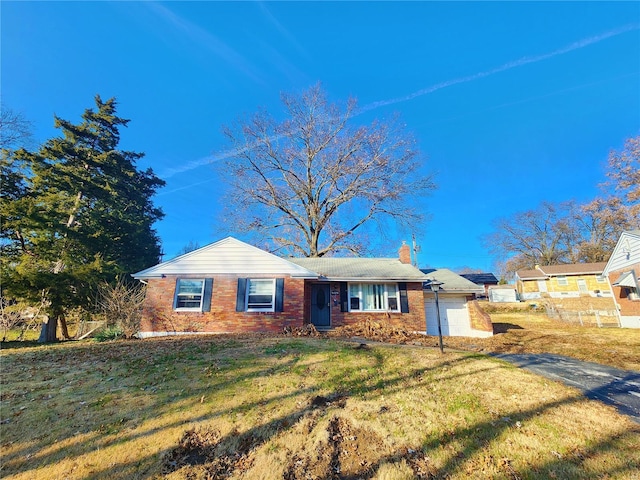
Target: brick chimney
405	253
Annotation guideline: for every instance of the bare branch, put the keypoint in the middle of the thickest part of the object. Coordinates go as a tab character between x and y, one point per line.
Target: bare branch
312	181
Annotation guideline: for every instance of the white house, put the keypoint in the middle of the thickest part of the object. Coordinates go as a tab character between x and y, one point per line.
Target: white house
622	271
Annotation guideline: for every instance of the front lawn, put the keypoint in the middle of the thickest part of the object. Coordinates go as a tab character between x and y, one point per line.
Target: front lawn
294	408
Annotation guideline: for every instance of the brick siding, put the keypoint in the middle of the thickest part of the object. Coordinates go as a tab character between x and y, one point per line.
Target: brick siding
158	314
414	320
628	307
480	320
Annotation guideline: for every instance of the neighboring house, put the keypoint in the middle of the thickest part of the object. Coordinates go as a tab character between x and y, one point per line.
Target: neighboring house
460	314
502	293
232	287
558	281
623	271
484	280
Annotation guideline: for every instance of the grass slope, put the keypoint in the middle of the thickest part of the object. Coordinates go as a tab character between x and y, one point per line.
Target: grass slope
536	333
295	408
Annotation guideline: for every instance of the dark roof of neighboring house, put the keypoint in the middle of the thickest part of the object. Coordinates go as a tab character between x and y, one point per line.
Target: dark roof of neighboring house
541	272
481	278
451	282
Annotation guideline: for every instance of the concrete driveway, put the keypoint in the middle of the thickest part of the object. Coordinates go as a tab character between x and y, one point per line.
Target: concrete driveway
620	388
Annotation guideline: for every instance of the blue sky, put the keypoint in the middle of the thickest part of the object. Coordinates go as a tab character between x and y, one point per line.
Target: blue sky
512	103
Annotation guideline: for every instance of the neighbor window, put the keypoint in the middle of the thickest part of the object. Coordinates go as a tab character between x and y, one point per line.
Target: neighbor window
260	295
189	294
562	280
372	297
601	279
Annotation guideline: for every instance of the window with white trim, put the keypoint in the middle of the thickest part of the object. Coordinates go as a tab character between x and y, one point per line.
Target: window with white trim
374	297
601	279
189	294
261	294
562	280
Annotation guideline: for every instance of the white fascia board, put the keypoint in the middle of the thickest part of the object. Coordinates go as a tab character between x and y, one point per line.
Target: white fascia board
372	279
227	257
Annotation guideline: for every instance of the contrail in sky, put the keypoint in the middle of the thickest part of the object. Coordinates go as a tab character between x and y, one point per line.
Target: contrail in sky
507	66
585	42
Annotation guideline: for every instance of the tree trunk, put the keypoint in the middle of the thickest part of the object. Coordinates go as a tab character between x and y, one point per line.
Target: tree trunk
63	327
48	333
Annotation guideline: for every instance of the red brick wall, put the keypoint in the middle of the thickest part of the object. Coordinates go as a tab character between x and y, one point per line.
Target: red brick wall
414	320
158	314
480	320
628	308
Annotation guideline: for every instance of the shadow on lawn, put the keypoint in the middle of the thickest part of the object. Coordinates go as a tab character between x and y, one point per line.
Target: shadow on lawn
505	327
223	455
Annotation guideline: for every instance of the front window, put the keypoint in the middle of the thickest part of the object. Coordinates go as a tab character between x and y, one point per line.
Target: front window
261	295
601	279
189	294
373	297
562	280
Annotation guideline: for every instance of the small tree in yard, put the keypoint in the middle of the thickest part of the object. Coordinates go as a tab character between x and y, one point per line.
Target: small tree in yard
313	183
121	303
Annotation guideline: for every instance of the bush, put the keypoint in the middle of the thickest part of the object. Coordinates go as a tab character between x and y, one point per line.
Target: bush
109	333
121	304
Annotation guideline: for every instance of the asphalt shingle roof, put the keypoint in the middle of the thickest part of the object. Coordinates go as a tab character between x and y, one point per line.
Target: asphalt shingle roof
574	268
361	268
452	282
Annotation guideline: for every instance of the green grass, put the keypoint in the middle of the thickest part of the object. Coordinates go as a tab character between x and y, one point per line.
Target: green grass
276	407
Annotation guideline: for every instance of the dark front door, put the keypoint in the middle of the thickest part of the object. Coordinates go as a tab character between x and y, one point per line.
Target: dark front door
320	305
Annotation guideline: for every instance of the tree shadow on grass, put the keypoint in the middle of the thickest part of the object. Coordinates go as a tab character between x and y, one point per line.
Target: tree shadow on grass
505	327
232	452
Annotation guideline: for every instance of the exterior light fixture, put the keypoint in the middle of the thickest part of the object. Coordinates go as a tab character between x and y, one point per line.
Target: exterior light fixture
435	287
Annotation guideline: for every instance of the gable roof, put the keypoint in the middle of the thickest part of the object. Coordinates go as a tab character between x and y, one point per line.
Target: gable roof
228	256
355	269
626	252
451	282
542	272
573	269
480	278
530	275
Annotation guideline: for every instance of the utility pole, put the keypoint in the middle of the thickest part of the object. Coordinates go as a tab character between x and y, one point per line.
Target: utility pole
416	249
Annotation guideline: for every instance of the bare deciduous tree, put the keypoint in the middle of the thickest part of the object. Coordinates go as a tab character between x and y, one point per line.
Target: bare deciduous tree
541	236
623	173
596	227
15	129
310	182
569	232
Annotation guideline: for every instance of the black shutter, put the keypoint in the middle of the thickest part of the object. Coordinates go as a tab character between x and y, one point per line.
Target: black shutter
208	290
404	300
279	305
344	300
241	295
175	294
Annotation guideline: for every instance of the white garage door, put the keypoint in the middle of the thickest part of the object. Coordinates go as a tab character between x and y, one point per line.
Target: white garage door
454	317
